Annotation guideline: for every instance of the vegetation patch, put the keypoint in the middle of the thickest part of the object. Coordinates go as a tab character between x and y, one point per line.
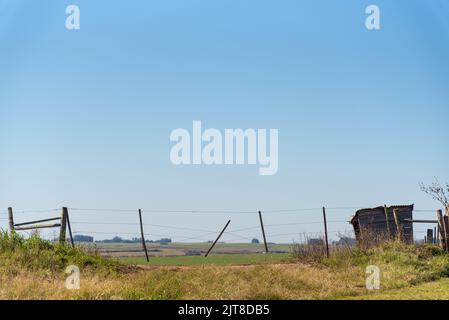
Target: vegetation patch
34	269
38	255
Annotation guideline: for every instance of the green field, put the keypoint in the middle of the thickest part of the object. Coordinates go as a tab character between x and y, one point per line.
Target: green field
191	246
214	259
192	254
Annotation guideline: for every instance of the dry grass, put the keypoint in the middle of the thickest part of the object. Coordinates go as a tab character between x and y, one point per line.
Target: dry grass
289	281
342	276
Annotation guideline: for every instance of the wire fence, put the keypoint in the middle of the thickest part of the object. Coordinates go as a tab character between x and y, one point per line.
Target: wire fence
281	225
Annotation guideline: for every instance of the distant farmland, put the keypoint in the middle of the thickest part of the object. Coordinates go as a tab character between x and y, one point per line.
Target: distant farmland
216	259
184	254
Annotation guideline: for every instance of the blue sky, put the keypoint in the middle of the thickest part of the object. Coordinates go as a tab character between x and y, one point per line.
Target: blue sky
86	115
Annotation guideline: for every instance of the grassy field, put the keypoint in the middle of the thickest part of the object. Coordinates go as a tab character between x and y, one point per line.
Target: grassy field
192	254
34	269
194	245
214	259
134	250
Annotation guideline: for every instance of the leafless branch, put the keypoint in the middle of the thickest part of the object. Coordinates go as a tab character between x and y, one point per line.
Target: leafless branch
437	191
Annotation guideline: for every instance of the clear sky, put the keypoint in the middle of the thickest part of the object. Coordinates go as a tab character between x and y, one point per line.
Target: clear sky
86	115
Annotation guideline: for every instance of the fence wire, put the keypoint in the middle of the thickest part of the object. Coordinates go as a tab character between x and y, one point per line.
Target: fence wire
307	223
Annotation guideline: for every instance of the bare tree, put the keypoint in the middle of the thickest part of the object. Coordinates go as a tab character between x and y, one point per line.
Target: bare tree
438	192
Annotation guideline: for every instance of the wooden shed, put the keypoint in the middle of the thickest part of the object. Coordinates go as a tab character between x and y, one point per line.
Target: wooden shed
375	225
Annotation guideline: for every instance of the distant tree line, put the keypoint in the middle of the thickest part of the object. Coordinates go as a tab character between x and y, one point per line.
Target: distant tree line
117	239
83	238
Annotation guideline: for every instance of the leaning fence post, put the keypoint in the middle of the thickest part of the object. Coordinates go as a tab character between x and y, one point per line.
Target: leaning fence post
144	245
70	227
263	232
325	232
11	220
62	232
218	238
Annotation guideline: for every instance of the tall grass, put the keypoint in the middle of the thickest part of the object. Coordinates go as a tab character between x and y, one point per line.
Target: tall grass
401	264
307	252
34	253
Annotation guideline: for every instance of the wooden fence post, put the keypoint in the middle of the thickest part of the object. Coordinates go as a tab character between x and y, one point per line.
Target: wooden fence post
435	235
263	232
11	220
62	232
218	238
70	227
398	226
325	232
446	231
387	220
438	240
144	245
429	235
442	228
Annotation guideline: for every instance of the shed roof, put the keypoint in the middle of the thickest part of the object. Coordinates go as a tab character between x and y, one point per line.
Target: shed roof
354	217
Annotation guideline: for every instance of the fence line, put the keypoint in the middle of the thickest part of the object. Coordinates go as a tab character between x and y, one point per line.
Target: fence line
234	233
164	211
